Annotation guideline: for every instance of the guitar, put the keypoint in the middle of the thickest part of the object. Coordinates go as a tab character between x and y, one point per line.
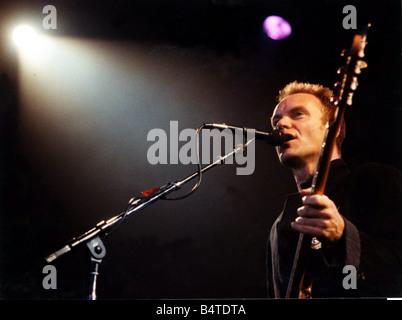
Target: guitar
343	95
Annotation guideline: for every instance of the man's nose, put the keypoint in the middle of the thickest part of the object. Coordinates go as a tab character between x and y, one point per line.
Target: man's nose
284	122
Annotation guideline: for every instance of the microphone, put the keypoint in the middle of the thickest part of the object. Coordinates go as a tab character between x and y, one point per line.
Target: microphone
274	138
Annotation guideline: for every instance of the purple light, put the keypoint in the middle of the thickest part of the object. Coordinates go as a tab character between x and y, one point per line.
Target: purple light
277	28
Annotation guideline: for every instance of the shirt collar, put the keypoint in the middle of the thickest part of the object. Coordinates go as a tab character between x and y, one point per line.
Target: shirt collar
337	171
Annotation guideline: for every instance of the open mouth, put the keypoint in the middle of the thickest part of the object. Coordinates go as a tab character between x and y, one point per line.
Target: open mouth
288	138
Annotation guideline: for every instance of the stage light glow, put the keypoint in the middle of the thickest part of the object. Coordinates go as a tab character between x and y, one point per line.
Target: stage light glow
277	28
24	36
31	45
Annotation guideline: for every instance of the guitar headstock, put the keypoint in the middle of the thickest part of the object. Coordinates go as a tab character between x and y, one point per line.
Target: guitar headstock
348	83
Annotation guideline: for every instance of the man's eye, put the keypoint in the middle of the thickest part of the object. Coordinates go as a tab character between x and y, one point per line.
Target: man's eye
298	114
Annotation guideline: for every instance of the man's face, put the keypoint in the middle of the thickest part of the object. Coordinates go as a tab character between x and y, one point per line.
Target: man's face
300	116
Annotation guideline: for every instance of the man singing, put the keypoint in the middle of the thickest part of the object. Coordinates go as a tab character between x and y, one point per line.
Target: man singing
358	219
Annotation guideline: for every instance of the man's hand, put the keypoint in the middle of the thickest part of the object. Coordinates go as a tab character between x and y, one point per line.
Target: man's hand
319	217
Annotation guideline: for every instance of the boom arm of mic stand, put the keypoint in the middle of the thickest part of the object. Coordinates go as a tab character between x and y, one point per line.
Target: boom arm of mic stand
104	227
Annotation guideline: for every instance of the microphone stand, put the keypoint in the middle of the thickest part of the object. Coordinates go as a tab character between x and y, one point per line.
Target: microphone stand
92	238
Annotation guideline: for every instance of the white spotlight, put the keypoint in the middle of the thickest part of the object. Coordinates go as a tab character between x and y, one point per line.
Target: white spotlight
24	36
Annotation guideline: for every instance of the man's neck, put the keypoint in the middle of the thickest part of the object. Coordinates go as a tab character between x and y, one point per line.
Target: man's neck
301	175
304	173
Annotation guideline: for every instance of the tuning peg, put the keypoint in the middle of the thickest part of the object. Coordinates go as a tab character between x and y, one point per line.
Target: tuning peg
357	69
334	100
349	99
360	65
343	52
354	84
361	51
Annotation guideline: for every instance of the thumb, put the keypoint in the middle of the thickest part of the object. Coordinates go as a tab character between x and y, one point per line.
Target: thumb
305	192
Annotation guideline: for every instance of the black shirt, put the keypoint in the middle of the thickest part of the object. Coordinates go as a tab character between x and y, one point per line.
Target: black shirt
369	199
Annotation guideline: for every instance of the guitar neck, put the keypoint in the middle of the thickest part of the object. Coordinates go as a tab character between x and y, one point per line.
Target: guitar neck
326	152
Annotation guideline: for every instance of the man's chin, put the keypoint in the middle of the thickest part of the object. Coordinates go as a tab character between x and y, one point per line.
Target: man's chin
289	160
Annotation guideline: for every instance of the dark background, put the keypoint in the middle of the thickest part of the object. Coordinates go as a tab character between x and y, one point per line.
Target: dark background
74	128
